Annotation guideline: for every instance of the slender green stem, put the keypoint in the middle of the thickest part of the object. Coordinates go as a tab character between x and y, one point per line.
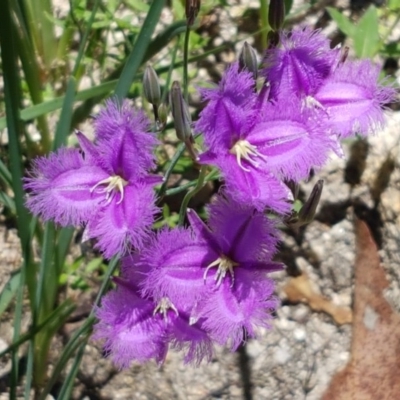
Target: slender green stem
189	195
213	175
175	158
185	64
170	70
83	42
264	22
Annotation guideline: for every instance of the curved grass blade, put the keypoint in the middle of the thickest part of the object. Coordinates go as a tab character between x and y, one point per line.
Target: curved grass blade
139	50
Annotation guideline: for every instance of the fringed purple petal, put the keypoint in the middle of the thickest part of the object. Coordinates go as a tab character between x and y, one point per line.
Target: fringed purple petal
228	108
232	313
249	233
291	141
123	137
60	187
255	187
191	339
121	225
301	64
353	99
176	259
129	328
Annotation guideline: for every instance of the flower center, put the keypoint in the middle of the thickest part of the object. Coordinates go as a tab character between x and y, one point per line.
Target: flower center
224	265
163	306
111	184
245	150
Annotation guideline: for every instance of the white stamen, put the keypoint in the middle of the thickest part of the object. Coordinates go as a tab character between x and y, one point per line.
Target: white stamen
244	150
224	265
163	306
113	184
310	102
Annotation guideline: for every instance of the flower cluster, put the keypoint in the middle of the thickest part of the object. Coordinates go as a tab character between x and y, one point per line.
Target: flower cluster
312	97
188	288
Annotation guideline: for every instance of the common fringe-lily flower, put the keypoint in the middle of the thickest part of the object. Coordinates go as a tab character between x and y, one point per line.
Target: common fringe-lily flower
105	185
217	274
139	328
346	94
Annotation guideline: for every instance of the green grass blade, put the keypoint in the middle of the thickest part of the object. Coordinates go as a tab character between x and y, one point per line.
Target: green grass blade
8	202
5	174
139	50
9	290
64	123
80	336
12	92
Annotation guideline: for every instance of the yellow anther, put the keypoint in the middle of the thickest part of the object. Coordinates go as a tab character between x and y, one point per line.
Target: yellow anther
224	265
112	184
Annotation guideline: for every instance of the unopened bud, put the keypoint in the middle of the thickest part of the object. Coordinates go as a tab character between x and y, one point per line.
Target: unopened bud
248	60
307	212
151	86
180	113
192	9
276	14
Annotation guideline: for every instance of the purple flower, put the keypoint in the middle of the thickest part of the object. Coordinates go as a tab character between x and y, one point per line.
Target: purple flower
104	185
346	95
137	328
217	273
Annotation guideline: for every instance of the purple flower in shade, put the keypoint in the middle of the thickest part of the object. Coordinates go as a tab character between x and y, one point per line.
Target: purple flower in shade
217	273
104	185
136	328
301	64
351	99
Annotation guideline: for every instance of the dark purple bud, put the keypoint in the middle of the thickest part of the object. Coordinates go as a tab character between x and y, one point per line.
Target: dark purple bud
180	113
272	39
192	9
307	212
151	86
248	60
276	14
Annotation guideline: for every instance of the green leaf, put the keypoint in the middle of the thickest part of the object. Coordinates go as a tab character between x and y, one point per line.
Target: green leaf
9	290
366	36
393	5
344	24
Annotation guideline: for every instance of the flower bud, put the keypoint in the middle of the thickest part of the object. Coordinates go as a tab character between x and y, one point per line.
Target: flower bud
276	14
192	9
248	60
151	86
180	113
307	212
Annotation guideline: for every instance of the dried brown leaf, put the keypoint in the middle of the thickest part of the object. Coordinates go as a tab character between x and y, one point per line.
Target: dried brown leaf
373	371
300	290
